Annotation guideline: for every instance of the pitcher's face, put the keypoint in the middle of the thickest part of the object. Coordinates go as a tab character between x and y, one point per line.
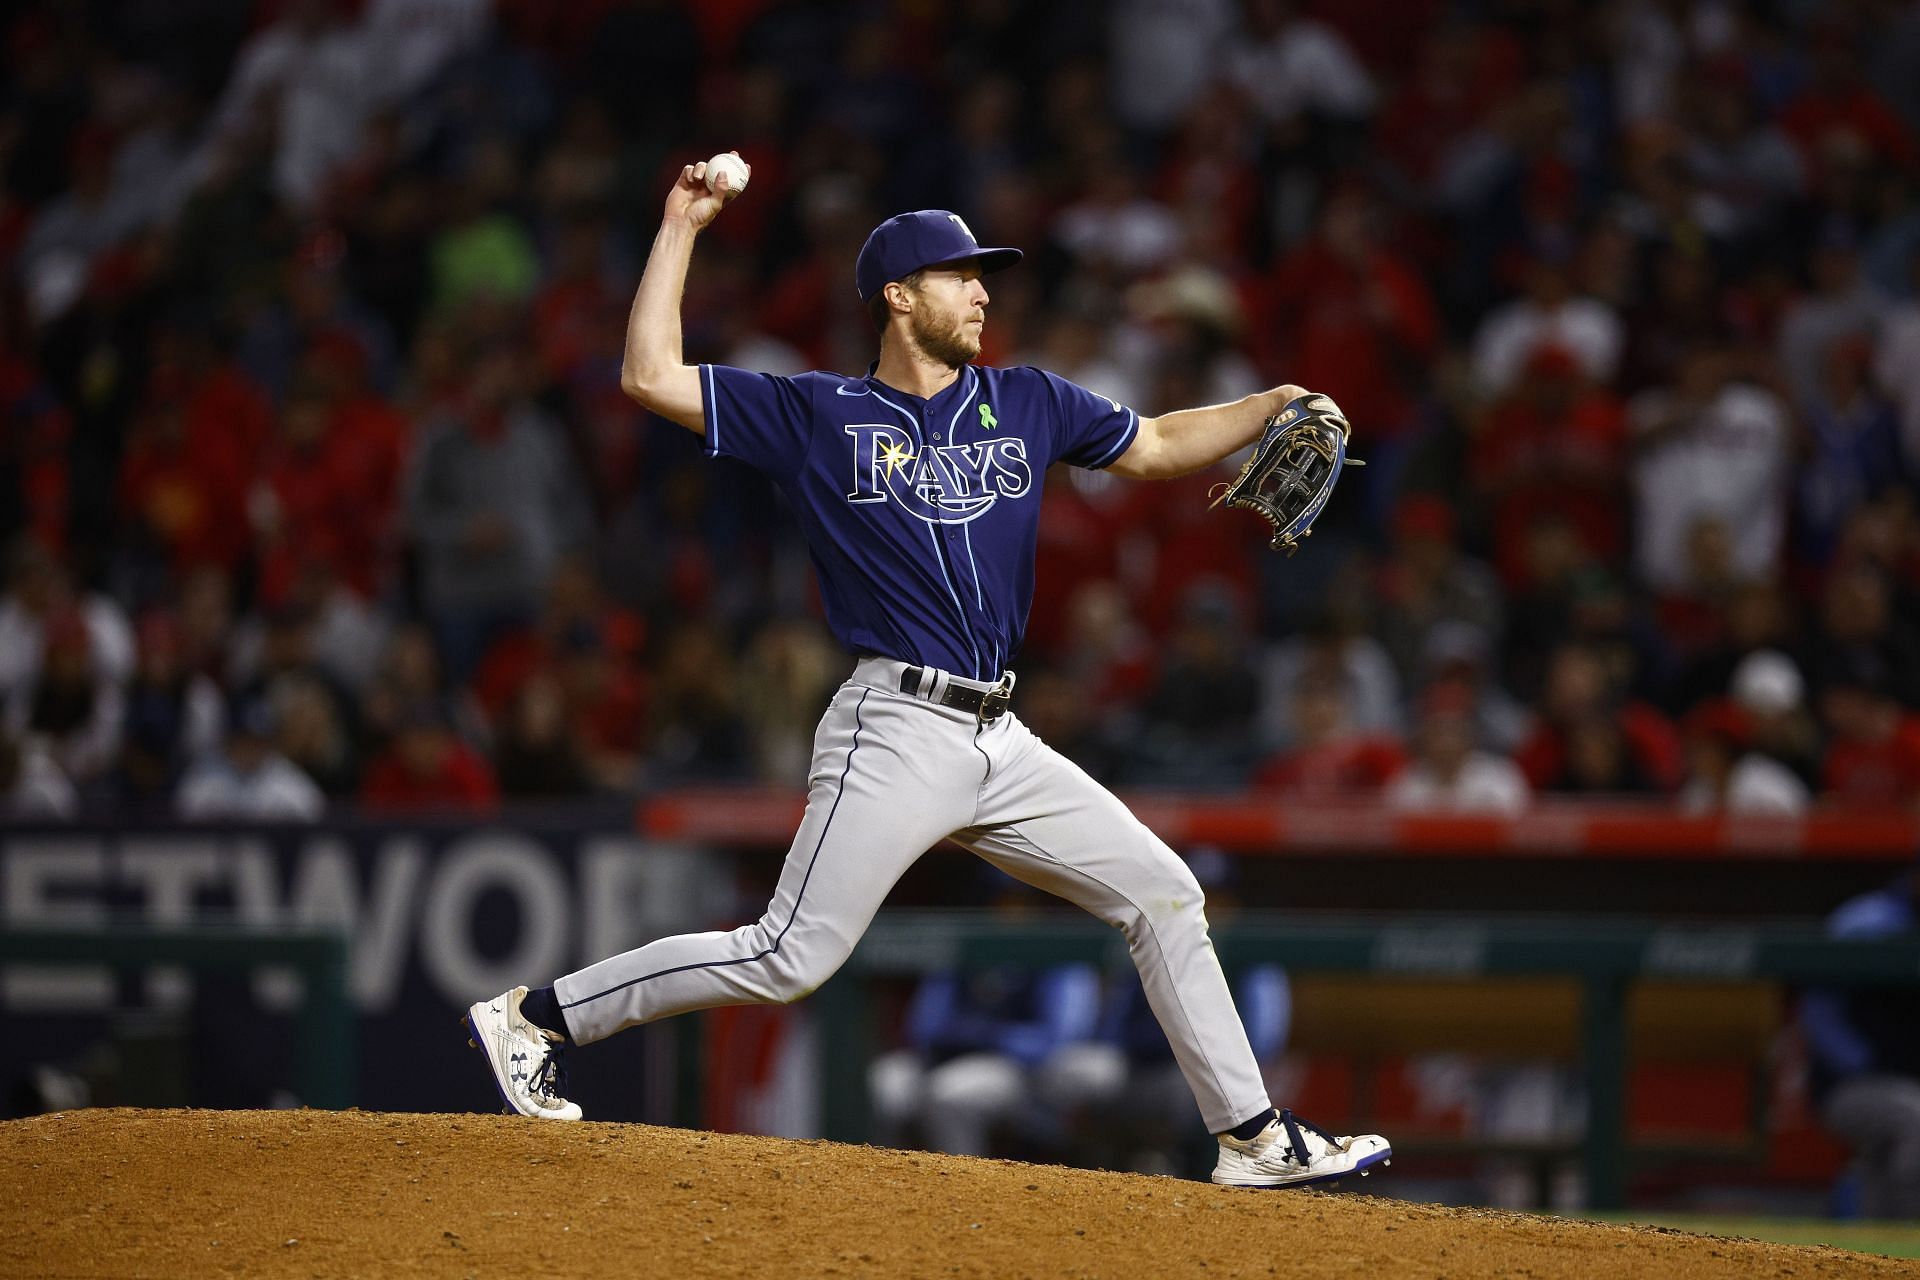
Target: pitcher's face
949	313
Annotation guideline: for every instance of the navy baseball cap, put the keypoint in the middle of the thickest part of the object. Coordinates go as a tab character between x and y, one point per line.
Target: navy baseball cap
903	244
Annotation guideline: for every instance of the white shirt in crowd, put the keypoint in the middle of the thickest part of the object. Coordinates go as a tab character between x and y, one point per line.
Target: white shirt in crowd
319	88
22	639
1813	323
1163	54
1584	327
1896	363
1305	66
1758	786
323	83
1485	784
1730	463
411	41
1137	236
276	790
85	752
40	788
1370	686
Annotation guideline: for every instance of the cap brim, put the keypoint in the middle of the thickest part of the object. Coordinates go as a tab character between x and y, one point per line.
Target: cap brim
990	260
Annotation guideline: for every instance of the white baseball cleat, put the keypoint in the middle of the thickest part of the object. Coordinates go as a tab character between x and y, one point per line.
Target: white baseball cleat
1291	1152
525	1059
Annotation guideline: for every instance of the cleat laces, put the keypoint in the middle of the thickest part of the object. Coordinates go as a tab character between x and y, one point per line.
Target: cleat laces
549	1082
1297	1145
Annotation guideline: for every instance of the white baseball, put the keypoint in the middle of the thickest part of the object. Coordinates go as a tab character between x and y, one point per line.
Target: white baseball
733	166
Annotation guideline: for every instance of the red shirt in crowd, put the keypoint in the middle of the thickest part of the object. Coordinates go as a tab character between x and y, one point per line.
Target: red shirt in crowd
1345	766
317	518
1817	118
1690	624
188	492
1884	773
458	781
1082	539
1349	329
185	474
1535	458
1648	737
36	442
809	307
1192	544
377	439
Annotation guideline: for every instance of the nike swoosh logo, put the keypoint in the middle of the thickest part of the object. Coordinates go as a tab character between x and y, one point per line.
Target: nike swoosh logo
842	391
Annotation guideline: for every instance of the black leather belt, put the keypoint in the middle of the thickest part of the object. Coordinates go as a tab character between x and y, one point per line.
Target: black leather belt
986	704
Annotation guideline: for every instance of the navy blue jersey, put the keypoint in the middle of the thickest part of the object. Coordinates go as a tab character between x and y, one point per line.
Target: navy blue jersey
922	515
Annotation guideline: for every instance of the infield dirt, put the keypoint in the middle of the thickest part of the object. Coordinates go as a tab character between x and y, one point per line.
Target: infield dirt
309	1193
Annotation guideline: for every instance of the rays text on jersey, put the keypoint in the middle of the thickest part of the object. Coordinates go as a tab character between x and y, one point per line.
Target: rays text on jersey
941	484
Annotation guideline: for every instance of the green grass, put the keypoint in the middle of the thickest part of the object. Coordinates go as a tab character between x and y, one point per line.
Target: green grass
1892	1239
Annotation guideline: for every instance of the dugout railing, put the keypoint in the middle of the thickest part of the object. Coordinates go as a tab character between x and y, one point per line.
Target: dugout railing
1607	959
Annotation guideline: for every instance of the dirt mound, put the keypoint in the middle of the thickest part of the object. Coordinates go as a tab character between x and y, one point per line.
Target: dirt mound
310	1193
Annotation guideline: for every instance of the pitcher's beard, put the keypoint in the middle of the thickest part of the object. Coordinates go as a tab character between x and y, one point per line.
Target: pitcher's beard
950	344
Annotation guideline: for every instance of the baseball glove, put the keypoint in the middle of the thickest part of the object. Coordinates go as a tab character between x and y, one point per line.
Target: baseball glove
1293	469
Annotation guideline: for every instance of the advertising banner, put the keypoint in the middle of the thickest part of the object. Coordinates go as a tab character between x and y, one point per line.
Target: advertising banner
438	915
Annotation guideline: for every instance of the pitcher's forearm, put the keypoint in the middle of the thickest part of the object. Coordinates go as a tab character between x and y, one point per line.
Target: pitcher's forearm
1180	443
654	370
1196	438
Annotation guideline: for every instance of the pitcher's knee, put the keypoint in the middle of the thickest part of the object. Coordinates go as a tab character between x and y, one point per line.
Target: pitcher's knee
1169	901
797	973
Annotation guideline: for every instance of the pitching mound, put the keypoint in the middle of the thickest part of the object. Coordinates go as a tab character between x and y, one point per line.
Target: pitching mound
312	1193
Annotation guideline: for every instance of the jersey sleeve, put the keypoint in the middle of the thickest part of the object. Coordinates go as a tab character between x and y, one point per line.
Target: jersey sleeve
1089	430
760	418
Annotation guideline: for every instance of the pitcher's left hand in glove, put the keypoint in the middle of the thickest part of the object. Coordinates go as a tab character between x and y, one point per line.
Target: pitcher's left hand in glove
1293	469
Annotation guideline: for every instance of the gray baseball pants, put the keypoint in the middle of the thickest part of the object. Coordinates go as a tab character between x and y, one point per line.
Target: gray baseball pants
892	775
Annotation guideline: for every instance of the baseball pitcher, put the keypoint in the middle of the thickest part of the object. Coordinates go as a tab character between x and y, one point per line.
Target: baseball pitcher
918	490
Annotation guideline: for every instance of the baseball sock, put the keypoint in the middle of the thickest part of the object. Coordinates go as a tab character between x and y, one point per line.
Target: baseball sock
542	1008
1252	1128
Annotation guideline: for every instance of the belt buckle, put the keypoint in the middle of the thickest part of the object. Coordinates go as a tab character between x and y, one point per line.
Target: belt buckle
995	702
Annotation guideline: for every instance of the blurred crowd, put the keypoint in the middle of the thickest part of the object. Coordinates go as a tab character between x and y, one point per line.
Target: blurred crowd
319	487
1065	1063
